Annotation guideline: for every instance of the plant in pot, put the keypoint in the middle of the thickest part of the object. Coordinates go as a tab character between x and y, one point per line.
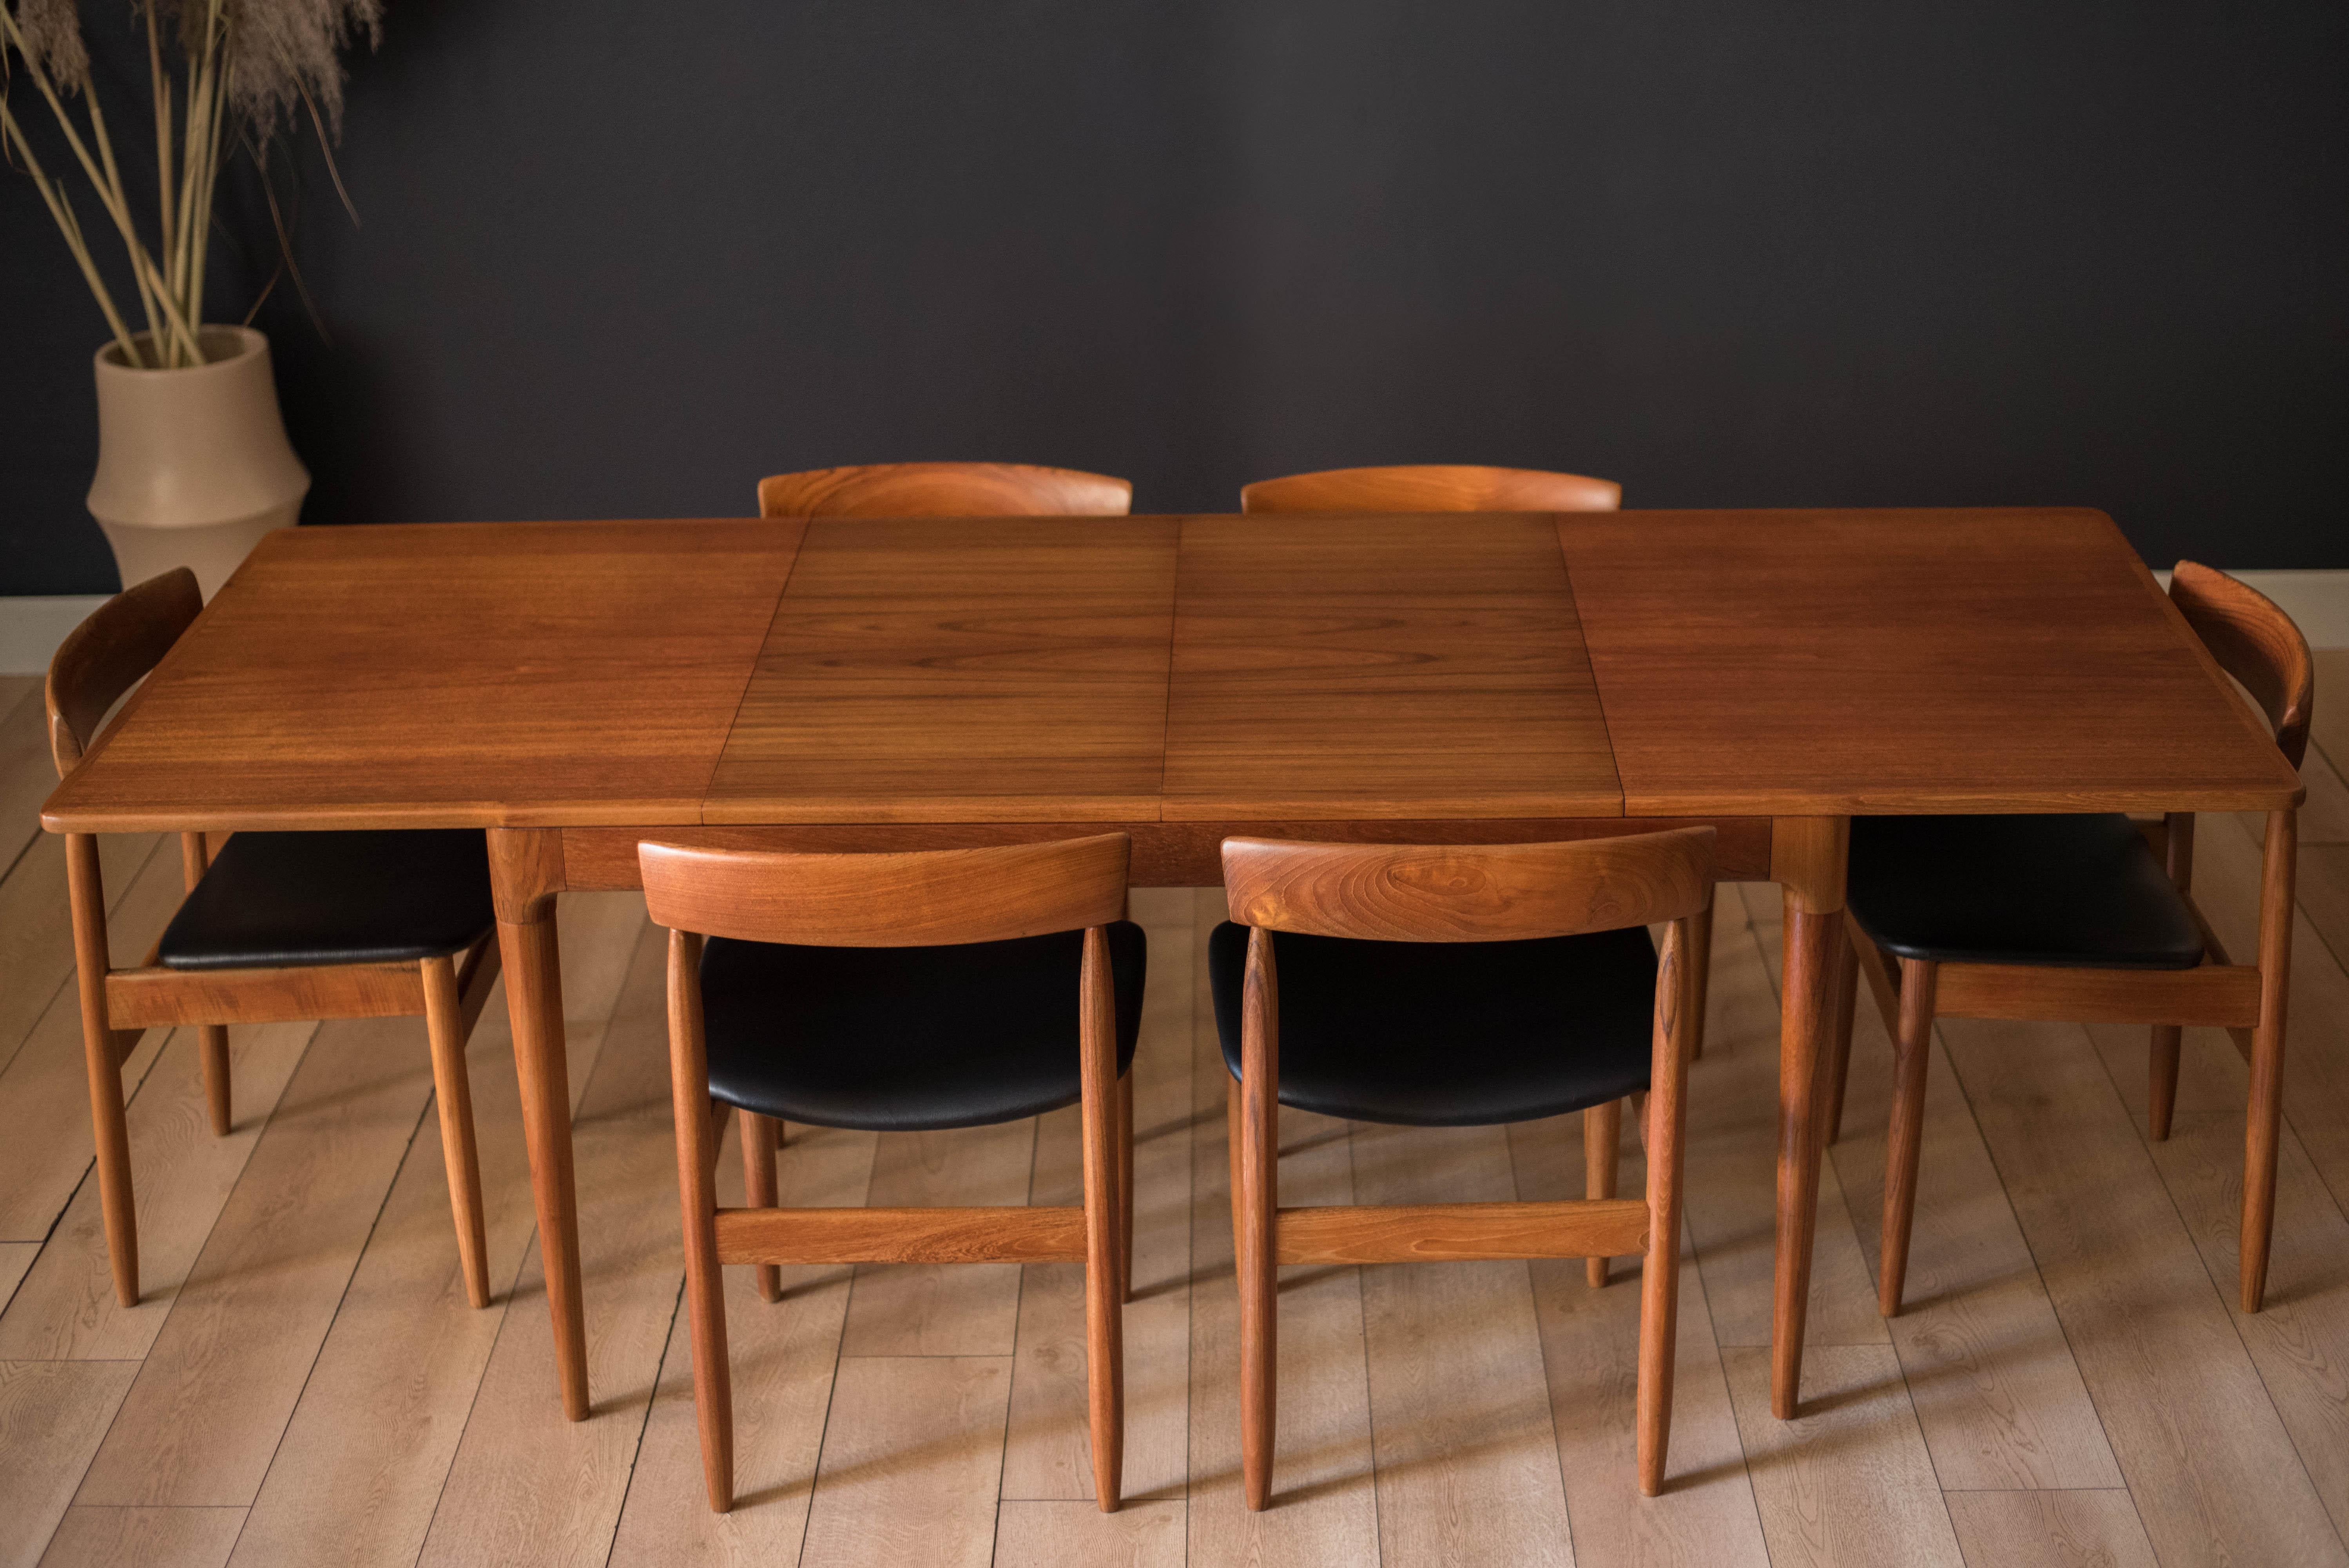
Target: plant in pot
194	465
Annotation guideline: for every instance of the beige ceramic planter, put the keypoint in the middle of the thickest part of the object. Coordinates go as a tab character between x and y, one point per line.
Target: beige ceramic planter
193	464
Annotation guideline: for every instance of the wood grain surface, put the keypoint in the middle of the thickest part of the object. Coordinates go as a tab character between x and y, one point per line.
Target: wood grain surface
960	670
1491	893
451	675
1335	666
926	899
1069	670
1813	663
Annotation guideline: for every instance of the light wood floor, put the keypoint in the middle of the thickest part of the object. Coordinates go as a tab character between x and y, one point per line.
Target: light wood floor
304	1383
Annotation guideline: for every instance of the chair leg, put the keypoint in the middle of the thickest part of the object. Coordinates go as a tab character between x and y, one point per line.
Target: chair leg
1602	1140
453	1092
1105	1234
111	1134
1834	1072
713	1384
2161	1085
1912	1051
698	1122
102	1054
1256	1236
759	1188
1125	1187
2278	867
214	1038
1253	1204
1667	1121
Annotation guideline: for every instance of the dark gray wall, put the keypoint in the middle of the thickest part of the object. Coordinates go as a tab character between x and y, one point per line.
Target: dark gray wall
621	259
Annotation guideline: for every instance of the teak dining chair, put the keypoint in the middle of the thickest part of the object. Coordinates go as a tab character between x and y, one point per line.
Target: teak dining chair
2073	918
1432	487
904	992
1456	986
943	490
279	927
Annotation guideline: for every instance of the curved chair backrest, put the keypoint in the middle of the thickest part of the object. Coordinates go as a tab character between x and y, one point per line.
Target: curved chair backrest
1433	488
109	653
931	898
1468	892
943	490
2255	642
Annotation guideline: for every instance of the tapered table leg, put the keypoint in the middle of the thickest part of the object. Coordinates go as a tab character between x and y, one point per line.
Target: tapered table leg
1808	858
525	873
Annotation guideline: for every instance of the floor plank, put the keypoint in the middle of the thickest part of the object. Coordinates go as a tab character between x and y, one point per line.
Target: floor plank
1049	1455
2300	1343
369	1445
2049	1530
943	1309
2323	890
203	1420
27	772
2202	1445
182	1176
1850	1481
526	1486
1468	1459
144	1538
1590	1353
782	1358
53	1414
36	960
913	1456
16	1262
46	1085
1990	1374
1139	1535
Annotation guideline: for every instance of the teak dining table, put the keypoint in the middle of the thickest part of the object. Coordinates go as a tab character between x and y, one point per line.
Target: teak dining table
574	688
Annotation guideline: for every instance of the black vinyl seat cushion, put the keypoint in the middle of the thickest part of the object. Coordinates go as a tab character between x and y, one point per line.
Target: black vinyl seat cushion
2076	892
1449	1033
301	899
907	1039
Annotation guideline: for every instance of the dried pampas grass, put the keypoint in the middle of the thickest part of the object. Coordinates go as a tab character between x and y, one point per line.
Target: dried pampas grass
245	69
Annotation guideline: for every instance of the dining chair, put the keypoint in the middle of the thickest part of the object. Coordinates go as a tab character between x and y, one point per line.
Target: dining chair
900	992
1456	985
943	490
2085	920
1432	487
276	927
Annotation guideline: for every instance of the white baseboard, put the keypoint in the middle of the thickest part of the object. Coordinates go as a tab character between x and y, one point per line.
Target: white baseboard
31	627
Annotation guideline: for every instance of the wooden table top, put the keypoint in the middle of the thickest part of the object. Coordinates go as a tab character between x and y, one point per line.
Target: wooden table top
1198	668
